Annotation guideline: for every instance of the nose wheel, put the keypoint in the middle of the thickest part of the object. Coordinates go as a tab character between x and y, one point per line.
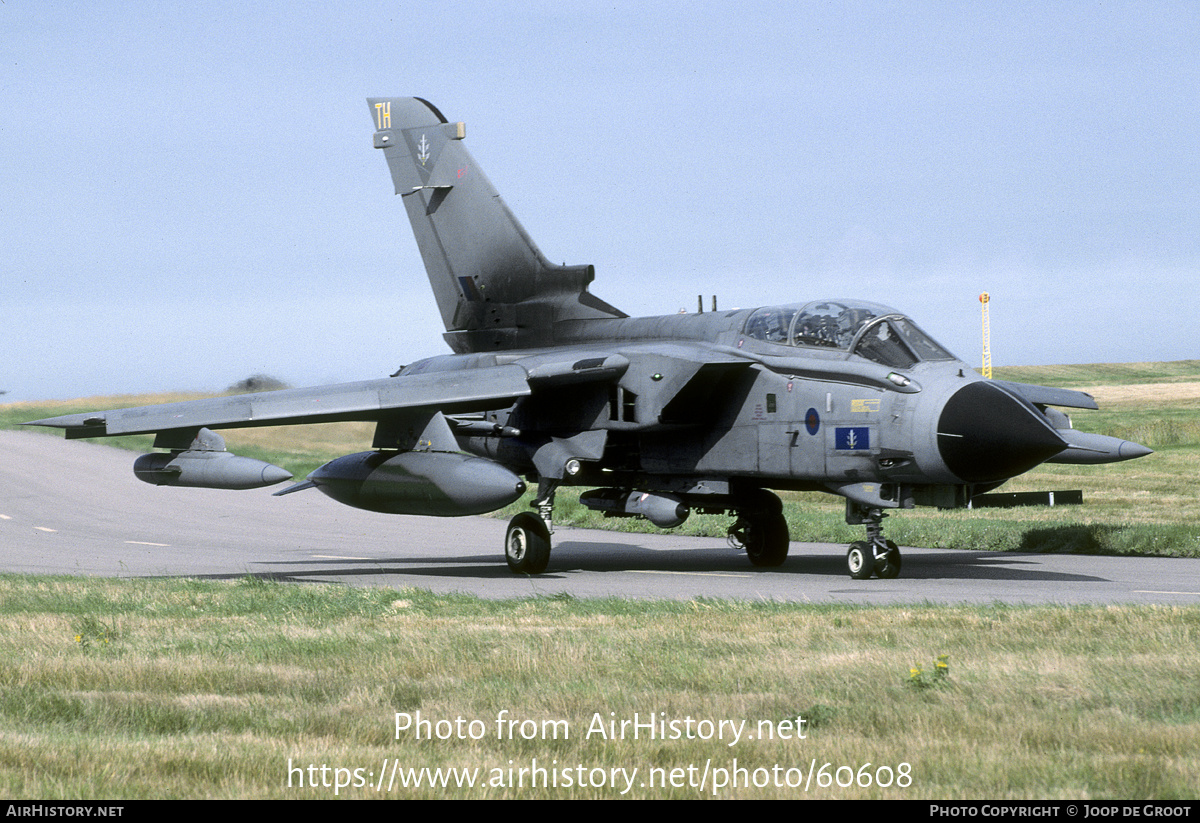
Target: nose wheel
875	555
865	559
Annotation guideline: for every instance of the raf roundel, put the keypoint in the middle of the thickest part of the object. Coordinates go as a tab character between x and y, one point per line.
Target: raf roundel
812	421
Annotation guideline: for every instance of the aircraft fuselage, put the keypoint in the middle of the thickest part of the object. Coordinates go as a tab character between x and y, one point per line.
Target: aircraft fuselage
694	404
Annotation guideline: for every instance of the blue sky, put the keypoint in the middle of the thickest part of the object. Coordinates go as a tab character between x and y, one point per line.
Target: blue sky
189	193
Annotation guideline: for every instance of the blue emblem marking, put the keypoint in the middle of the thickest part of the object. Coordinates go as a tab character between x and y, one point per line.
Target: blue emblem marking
812	421
852	438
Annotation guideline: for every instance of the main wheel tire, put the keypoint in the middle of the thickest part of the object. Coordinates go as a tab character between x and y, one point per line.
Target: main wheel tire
766	501
888	566
767	540
860	560
527	544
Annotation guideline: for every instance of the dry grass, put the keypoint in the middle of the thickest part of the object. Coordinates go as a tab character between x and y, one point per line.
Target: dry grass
1142	394
209	690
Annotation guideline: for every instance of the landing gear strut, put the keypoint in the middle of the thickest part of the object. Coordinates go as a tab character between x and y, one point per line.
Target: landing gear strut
875	555
761	529
527	541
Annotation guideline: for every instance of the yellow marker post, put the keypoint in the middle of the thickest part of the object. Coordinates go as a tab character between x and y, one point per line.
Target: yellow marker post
985	298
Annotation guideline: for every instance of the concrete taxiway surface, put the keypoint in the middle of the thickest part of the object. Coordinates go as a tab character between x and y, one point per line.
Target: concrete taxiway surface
76	508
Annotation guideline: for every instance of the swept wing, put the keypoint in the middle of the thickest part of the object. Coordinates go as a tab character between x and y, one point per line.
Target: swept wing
458	391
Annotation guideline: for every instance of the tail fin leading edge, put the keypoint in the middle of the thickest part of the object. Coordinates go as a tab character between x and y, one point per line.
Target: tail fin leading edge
493	286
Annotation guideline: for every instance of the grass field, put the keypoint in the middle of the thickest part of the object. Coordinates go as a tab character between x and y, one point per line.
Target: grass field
139	688
121	689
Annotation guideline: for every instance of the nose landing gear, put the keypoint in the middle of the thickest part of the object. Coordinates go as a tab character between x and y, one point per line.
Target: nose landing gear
875	555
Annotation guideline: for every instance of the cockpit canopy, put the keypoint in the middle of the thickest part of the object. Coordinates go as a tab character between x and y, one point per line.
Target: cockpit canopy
869	330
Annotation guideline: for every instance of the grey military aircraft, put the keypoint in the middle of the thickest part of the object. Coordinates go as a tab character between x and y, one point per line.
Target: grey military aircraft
653	417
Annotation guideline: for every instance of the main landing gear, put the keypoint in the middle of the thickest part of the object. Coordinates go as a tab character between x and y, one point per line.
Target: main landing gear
761	529
527	542
875	555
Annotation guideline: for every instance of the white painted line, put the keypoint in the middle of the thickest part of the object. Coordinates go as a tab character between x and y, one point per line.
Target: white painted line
144	543
44	529
694	574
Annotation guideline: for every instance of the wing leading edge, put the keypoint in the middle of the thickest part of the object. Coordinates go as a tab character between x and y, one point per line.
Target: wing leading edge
450	392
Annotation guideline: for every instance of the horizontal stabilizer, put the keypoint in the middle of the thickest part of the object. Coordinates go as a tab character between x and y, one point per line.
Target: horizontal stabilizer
1046	396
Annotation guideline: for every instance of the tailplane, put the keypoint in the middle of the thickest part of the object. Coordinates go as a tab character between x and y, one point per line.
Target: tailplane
493	286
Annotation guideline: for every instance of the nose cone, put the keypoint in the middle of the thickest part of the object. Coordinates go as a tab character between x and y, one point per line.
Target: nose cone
986	434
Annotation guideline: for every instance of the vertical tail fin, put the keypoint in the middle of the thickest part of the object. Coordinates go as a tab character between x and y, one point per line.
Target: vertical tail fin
494	288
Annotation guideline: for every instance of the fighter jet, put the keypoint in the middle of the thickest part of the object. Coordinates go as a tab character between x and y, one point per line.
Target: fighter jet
650	417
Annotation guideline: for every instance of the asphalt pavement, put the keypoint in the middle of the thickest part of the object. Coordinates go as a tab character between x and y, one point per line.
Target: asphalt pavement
69	507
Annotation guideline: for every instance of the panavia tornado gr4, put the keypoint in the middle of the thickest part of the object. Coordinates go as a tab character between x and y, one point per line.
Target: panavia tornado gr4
651	417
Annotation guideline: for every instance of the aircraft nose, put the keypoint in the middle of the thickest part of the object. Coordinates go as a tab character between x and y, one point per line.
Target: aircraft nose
986	434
